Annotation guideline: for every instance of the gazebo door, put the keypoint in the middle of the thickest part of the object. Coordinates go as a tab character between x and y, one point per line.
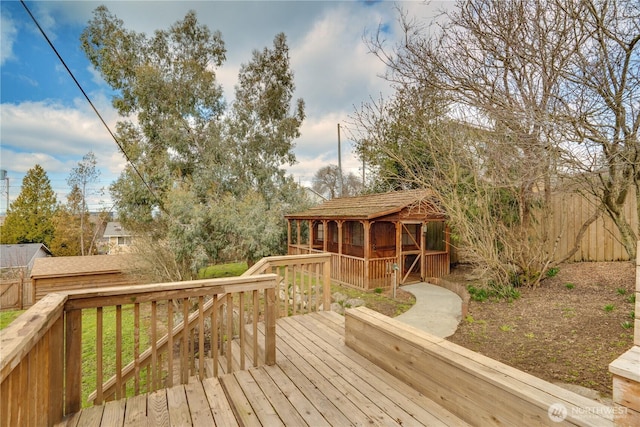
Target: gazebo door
411	252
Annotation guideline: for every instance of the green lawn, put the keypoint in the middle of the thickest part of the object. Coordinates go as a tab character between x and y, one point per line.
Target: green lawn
233	269
8	316
89	322
108	345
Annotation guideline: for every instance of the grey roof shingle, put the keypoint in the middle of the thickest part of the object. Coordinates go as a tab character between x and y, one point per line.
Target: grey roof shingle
115	229
20	255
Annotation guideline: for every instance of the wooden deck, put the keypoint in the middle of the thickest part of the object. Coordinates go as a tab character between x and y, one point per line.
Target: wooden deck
316	381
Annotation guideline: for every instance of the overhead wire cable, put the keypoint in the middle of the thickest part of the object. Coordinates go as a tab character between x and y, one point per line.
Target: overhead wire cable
91	103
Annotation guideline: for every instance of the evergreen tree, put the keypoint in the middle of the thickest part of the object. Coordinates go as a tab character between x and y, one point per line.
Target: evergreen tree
30	216
67	223
193	154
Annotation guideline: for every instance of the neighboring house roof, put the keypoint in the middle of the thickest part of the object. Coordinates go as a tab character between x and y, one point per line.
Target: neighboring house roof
21	255
314	195
80	265
115	229
369	206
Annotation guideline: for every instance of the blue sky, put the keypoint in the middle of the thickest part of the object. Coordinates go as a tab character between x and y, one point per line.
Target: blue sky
45	120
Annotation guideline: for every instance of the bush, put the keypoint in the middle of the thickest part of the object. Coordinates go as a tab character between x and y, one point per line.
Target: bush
553	271
493	290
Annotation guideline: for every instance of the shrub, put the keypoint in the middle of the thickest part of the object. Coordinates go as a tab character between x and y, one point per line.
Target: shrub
553	271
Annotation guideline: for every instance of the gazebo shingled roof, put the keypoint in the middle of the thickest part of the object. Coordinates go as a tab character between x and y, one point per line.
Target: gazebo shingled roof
367	206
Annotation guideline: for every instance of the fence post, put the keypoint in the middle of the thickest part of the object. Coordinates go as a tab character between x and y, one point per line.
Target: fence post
270	326
20	291
73	361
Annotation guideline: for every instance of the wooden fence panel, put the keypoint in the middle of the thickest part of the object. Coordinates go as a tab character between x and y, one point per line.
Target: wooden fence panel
601	241
15	294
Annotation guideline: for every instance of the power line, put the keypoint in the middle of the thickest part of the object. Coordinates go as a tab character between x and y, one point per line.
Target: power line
91	103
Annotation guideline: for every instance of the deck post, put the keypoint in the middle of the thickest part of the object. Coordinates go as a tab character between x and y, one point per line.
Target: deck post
399	257
325	234
73	359
367	254
626	371
56	377
270	326
326	285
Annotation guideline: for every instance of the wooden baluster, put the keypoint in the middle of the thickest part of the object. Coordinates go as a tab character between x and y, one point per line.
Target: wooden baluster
192	352
269	327
56	373
326	285
154	350
99	338
170	343
119	394
317	280
229	332
309	286
256	313
161	383
286	291
214	336
73	359
136	348
241	330
184	354
201	338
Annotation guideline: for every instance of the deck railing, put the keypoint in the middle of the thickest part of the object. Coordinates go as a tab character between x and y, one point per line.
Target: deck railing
134	339
303	286
300	288
375	273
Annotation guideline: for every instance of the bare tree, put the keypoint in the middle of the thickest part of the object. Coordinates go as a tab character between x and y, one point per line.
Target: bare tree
326	182
481	110
79	178
601	111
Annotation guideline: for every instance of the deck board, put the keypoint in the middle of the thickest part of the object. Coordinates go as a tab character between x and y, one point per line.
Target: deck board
317	381
157	410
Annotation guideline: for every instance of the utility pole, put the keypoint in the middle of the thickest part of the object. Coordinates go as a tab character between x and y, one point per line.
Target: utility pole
5	177
340	163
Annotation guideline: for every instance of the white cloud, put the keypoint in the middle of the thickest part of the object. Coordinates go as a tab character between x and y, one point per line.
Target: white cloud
8	34
44	126
333	73
333	69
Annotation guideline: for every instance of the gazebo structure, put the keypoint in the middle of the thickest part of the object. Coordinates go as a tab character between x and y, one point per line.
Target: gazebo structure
377	238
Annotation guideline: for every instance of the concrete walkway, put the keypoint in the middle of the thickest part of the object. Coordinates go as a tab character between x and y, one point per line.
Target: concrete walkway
437	310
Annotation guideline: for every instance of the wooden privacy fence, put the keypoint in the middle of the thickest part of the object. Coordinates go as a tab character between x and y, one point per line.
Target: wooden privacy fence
601	241
15	294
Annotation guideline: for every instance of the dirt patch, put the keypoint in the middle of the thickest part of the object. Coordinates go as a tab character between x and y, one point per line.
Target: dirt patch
568	330
382	302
